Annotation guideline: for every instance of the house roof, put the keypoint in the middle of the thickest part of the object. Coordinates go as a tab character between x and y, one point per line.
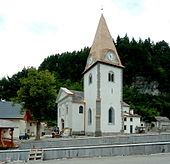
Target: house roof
130	115
67	91
102	44
6	124
162	119
78	95
8	110
125	104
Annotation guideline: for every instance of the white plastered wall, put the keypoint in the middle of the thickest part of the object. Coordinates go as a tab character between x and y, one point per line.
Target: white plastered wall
65	112
135	122
90	95
78	118
111	96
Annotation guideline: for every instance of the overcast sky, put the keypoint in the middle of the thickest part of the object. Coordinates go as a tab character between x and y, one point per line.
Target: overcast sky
31	30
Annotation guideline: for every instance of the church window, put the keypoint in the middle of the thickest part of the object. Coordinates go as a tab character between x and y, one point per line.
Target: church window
89	117
80	109
111	76
111	116
90	78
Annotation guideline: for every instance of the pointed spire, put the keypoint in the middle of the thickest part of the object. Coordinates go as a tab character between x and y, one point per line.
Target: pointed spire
102	45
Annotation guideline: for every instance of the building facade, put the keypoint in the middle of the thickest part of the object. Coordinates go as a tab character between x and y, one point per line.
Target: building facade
132	122
71	110
102	98
21	120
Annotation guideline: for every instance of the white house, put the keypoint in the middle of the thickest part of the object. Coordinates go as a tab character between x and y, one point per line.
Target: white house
101	102
21	120
132	121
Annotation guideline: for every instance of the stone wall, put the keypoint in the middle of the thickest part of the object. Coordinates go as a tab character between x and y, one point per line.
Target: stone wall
93	147
89	151
92	141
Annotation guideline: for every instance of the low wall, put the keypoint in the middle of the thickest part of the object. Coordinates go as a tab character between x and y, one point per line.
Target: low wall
92	141
90	151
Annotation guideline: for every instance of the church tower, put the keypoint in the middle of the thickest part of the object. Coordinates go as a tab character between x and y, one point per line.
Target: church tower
103	85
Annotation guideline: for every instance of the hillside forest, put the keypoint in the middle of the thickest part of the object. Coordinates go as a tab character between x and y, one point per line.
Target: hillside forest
146	76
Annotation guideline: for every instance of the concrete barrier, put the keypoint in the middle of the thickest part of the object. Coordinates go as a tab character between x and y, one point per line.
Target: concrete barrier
89	151
92	141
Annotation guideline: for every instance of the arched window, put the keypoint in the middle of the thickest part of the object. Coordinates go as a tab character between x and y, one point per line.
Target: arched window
90	78
111	116
111	76
89	117
80	109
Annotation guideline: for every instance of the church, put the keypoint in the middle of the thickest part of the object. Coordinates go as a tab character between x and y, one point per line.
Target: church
99	110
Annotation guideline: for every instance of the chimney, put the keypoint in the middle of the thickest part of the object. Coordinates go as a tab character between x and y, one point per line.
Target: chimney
131	111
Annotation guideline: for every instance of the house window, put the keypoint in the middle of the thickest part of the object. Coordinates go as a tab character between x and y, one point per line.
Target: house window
28	130
125	119
124	127
80	109
111	76
90	78
131	119
111	116
30	124
89	117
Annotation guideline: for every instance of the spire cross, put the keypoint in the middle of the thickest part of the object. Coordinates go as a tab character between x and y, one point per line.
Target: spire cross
102	9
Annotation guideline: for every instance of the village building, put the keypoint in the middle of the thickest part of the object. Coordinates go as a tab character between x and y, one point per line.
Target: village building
71	107
99	109
132	121
22	121
6	134
161	123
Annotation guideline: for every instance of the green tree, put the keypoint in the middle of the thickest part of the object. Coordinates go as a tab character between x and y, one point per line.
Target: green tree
38	94
67	67
10	85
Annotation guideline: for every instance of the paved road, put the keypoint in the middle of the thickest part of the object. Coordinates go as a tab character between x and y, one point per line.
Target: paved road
142	159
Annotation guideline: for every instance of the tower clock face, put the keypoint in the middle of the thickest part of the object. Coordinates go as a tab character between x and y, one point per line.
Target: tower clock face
111	56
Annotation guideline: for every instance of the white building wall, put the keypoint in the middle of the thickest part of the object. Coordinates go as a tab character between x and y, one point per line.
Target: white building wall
90	95
78	118
31	128
111	96
69	112
134	123
21	127
126	109
65	113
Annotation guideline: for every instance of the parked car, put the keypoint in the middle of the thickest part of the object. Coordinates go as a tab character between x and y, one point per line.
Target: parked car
24	136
